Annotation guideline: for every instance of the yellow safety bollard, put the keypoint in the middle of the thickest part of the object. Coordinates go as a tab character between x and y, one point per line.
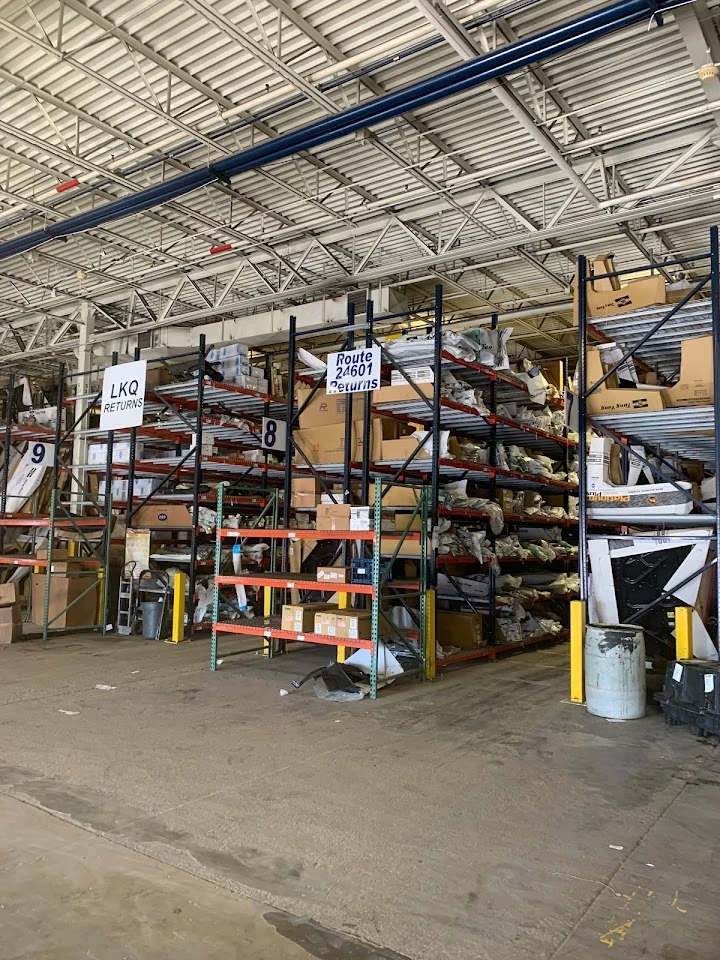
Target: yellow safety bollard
342	652
101	596
577	651
267	610
683	633
178	615
430	667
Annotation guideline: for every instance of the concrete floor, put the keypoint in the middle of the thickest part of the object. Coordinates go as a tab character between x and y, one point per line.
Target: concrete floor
477	818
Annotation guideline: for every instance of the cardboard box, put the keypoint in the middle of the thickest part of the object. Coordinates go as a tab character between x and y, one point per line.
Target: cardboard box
304	492
9	593
157	376
635	295
333	574
609	398
327	444
460	629
553	371
397	496
414	374
403	448
10	614
300	617
325	624
324	410
404	391
333	516
353	624
168	515
10	633
360	519
64	589
695	387
401	522
409	548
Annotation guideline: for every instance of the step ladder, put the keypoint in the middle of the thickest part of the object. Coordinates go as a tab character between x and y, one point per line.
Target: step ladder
127	600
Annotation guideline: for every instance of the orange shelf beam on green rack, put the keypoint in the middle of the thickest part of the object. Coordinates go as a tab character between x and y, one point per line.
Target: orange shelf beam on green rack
308	582
27	520
276	634
313	534
22	562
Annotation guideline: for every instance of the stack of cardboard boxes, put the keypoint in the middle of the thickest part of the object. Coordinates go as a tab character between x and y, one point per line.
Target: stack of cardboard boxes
693	389
606	297
69	584
232	361
10	617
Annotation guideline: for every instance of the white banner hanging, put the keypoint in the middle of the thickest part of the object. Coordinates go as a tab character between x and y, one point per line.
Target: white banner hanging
26	477
123	395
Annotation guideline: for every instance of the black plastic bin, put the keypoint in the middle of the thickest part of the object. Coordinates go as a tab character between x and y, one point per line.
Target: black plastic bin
691	695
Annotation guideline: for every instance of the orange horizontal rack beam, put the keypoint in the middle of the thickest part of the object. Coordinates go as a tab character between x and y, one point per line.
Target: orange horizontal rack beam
22	562
274	633
27	520
489	653
304	582
313	534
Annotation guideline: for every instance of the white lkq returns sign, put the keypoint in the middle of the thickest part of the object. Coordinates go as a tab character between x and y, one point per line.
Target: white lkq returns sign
123	395
354	371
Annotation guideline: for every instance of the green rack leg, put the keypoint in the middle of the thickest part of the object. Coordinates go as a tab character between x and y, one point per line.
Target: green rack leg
375	619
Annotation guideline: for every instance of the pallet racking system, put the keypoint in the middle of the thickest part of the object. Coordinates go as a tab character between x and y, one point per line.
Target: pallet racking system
651	337
385	548
74	512
428	408
179	416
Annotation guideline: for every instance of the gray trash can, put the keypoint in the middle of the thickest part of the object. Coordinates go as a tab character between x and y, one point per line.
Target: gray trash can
152	611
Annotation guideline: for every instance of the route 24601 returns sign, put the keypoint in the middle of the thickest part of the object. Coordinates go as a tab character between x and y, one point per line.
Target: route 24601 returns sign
354	371
123	395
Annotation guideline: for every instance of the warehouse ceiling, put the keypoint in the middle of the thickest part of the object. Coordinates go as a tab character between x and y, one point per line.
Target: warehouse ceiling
612	148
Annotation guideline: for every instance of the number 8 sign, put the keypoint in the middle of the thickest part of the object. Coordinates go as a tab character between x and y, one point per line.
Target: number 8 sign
273	435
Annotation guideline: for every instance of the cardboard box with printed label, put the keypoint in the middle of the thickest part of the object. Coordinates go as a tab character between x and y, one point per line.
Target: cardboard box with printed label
325	624
335	516
695	387
327	444
66	589
460	629
333	574
323	409
609	398
607	297
360	518
300	617
413	375
353	624
169	515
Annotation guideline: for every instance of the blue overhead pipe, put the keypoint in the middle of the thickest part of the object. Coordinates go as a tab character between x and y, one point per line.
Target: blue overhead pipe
449	83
